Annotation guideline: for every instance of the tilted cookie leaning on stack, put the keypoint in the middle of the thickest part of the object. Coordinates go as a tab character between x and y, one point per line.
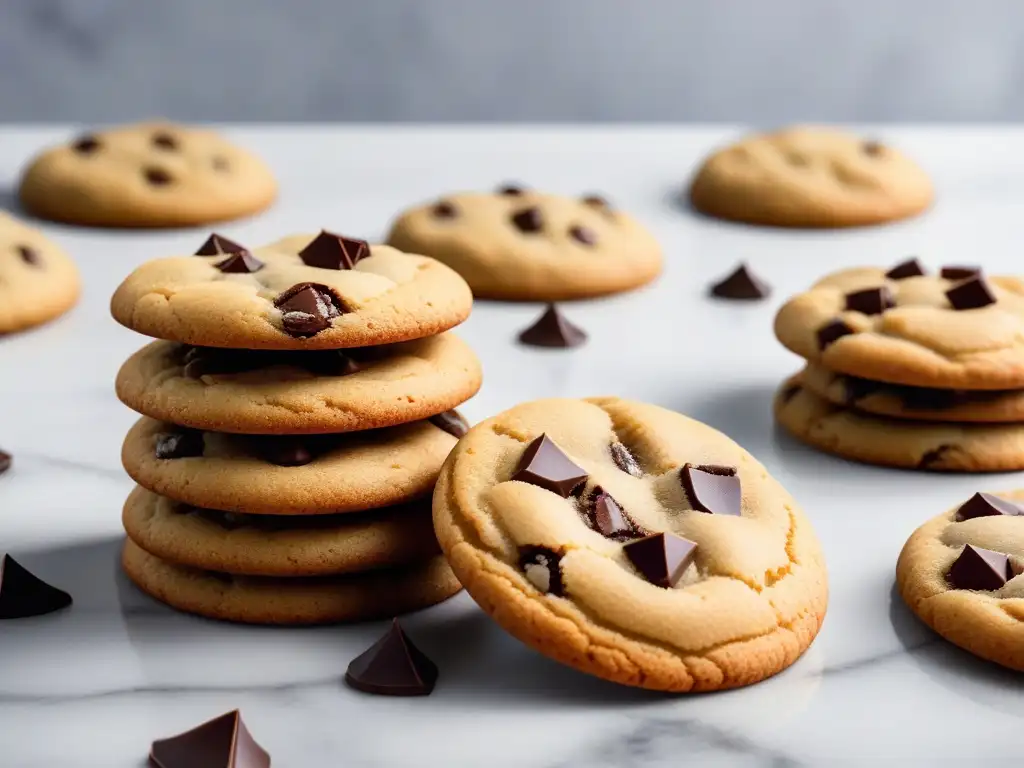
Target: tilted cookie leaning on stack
908	369
284	463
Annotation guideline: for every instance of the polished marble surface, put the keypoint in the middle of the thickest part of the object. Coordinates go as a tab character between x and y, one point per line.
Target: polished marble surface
94	685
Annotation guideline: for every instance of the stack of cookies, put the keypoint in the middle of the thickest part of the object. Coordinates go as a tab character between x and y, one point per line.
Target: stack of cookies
907	368
297	409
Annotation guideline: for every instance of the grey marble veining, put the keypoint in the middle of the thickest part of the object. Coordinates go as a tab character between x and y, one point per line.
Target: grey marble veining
93	686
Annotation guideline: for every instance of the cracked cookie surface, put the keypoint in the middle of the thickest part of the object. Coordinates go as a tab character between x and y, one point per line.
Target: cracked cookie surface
213	300
567	568
976	607
526	245
810	177
152	174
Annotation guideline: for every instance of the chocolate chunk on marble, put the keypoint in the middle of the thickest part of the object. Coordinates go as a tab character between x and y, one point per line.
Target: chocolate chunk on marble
528	220
625	460
905	269
552	329
870	301
960	273
451	422
987	505
215	245
832	332
179	445
713	489
542	568
741	284
545	465
223	742
330	251
23	594
661	558
242	262
608	518
973	293
981	569
5	461
307	309
393	666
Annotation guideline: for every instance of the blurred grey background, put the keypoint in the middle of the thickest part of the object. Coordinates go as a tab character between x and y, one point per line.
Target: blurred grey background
760	61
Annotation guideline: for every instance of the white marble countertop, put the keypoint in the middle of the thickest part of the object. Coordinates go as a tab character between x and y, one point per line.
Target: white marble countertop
94	685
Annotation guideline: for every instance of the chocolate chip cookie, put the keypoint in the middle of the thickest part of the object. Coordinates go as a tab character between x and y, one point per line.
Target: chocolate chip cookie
520	244
632	543
147	175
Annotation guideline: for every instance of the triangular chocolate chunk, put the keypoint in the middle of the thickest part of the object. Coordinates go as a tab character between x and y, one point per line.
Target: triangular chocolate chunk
981	569
552	329
545	465
330	251
909	268
393	666
661	558
216	244
713	489
307	308
973	293
986	505
959	273
242	262
741	284
871	301
23	594
831	332
223	742
608	519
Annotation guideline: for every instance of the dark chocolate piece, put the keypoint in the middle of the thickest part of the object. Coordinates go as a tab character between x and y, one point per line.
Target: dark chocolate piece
223	742
986	505
871	301
583	235
973	293
855	388
741	284
596	201
909	268
625	460
216	245
872	148
607	518
960	273
981	569
285	450
204	361
552	329
545	465
832	331
29	255
158	177
179	445
393	666
451	422
86	145
542	568
713	489
307	308
510	189
930	458
5	461
791	391
241	263
444	210
528	220
661	558
23	594
330	251
165	141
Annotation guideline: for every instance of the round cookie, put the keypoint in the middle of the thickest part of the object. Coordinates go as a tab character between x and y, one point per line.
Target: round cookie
524	245
290	475
147	175
608	581
932	331
810	177
320	291
309	600
974	599
254	392
273	545
878	440
915	403
38	281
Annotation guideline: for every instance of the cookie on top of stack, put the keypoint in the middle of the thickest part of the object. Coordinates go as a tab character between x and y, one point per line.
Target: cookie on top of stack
297	409
909	368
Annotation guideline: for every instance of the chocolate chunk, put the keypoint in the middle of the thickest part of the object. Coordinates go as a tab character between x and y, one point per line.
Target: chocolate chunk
927	399
552	329
542	568
960	273
23	594
241	263
855	388
158	177
393	666
832	331
223	742
932	457
444	210
986	505
86	145
164	141
741	284
872	148
661	558
971	294
451	422
544	464
713	489
982	569
179	445
307	308
330	251
583	235
596	201
528	220
510	189
625	460
871	301
905	269
5	461
607	518
285	450
29	255
204	361
216	245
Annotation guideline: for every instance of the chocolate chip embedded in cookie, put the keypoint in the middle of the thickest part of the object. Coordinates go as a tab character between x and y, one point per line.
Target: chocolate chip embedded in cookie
810	177
960	573
320	291
524	245
147	175
583	528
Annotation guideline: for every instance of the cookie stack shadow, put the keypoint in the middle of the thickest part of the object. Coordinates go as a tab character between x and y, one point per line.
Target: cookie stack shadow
291	484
